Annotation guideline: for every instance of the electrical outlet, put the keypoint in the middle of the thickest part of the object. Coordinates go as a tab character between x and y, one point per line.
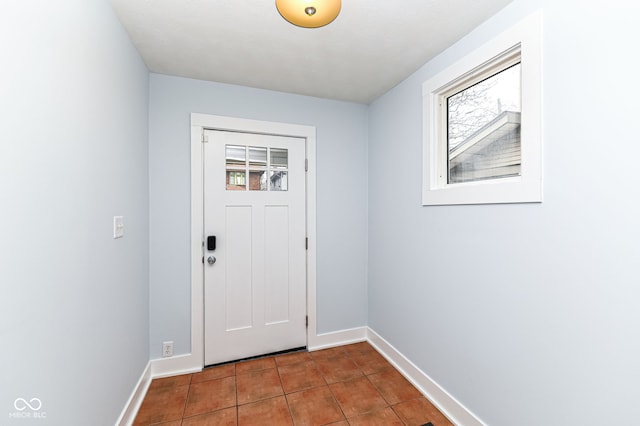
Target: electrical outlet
167	349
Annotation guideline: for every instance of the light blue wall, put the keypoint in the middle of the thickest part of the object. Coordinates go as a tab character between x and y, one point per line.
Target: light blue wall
525	313
528	314
73	153
341	197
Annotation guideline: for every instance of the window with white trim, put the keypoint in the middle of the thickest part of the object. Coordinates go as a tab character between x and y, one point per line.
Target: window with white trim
483	123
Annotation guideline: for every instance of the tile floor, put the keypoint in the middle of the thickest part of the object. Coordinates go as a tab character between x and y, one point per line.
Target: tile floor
346	385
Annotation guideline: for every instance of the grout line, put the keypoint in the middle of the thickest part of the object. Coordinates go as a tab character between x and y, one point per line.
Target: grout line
338	403
235	381
186	401
284	393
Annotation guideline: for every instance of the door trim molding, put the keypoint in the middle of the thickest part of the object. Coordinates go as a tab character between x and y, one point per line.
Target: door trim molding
199	123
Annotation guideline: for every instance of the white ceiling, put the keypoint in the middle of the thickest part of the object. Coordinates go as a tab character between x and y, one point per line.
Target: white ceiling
372	45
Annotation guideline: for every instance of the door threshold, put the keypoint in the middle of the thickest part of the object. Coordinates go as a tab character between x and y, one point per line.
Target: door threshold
286	351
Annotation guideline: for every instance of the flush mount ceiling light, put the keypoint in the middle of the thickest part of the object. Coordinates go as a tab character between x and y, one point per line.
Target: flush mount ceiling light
309	13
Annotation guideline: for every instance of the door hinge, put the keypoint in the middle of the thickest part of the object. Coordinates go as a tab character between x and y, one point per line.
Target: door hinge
205	139
306	243
306	164
306	321
203	260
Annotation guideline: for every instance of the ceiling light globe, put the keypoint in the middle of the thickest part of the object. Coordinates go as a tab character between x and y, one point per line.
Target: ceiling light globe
309	13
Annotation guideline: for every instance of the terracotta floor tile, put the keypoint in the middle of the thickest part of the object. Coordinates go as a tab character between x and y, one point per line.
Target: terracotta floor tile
182	380
393	386
303	375
258	385
342	423
273	411
357	396
211	373
370	362
210	396
358	348
315	406
328	353
226	417
292	358
162	404
338	368
384	417
419	411
255	365
173	423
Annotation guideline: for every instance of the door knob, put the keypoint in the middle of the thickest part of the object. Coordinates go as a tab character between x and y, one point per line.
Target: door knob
211	260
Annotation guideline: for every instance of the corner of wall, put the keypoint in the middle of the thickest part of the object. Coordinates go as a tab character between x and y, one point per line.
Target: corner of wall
445	402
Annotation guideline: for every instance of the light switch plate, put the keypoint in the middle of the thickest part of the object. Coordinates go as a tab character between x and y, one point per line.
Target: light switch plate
118	226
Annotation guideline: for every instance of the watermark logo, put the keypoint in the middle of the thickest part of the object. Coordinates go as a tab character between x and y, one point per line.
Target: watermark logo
28	409
21	404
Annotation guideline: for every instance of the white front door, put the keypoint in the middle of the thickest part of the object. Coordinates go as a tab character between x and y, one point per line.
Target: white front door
255	278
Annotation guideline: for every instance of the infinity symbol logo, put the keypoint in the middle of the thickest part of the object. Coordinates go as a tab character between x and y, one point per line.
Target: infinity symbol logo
21	404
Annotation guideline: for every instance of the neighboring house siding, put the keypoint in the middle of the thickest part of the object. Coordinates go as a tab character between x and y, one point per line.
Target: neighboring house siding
491	152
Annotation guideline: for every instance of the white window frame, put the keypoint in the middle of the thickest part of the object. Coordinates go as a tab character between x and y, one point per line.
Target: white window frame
524	38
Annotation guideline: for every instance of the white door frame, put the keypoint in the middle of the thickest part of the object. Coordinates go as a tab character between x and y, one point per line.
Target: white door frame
199	122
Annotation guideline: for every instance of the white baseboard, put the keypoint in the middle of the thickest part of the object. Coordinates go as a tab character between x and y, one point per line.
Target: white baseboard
337	338
156	368
130	410
447	404
174	366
